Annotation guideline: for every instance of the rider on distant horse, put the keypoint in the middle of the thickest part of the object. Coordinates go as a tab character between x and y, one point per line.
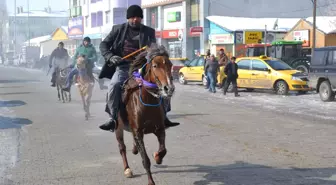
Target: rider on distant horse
121	41
89	51
57	56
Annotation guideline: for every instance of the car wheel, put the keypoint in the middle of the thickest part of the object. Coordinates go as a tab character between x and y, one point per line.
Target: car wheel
325	91
182	79
281	88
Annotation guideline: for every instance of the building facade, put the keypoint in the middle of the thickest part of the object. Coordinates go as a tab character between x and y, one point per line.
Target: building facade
33	24
325	32
100	15
180	25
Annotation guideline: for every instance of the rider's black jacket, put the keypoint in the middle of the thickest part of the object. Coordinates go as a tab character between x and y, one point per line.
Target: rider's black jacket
114	42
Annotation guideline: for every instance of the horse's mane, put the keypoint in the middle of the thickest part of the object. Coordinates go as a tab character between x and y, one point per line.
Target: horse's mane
151	52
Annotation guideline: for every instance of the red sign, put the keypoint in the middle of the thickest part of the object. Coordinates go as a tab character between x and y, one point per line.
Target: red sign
195	31
170	34
158	34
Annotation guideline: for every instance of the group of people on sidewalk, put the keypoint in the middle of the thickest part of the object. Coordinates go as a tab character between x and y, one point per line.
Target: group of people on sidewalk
212	69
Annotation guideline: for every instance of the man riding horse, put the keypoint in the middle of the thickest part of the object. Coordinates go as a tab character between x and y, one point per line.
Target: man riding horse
87	50
123	40
58	58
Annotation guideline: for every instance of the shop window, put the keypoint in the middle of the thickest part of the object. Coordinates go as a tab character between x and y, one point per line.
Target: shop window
93	20
153	17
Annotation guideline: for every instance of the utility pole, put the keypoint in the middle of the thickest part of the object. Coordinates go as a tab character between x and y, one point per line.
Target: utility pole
15	10
28	23
265	39
314	29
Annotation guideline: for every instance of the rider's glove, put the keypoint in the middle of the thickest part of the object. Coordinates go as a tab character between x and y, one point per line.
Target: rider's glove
115	60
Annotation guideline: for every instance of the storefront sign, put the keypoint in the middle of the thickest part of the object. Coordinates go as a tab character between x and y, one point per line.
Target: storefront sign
302	35
76	27
195	31
174	17
252	37
170	34
222	39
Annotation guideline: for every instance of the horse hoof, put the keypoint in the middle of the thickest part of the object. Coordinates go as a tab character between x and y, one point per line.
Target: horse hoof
128	173
135	151
157	158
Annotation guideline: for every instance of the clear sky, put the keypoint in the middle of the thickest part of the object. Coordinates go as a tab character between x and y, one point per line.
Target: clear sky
38	4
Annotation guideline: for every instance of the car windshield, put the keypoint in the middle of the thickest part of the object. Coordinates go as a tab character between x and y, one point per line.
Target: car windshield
278	65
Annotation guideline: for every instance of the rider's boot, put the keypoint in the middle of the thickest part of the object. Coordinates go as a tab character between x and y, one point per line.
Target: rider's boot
168	123
109	125
53	79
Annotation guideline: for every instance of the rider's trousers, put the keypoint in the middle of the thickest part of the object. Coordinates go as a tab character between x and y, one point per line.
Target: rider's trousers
69	78
114	89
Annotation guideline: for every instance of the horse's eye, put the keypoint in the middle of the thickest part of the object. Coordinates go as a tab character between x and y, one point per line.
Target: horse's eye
155	65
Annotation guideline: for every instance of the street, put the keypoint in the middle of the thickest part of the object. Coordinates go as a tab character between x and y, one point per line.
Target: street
257	139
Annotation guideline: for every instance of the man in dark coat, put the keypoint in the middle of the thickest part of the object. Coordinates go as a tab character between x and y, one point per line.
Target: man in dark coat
123	40
58	59
231	71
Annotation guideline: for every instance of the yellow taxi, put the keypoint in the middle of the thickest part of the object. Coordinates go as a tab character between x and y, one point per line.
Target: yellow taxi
194	72
270	73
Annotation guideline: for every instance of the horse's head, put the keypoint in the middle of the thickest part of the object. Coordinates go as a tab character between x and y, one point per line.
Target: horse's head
81	62
158	70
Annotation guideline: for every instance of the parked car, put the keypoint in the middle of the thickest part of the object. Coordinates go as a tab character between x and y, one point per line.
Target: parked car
270	73
322	75
194	72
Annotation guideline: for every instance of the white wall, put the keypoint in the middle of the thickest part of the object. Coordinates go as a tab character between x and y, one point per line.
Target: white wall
172	8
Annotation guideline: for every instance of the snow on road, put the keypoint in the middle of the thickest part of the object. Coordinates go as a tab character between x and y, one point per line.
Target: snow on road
308	105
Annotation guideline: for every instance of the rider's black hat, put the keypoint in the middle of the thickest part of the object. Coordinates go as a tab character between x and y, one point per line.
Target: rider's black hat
134	11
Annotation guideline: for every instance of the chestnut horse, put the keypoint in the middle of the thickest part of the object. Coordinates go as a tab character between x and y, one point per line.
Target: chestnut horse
85	85
142	111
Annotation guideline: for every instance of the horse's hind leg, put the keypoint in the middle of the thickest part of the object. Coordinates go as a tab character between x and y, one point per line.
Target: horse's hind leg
135	149
145	160
159	155
122	149
62	94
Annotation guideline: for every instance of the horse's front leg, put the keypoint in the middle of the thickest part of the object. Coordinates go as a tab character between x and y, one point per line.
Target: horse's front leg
58	93
88	100
122	149
139	140
159	155
69	95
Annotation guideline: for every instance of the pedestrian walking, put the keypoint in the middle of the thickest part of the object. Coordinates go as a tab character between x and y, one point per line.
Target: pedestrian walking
212	69
231	71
